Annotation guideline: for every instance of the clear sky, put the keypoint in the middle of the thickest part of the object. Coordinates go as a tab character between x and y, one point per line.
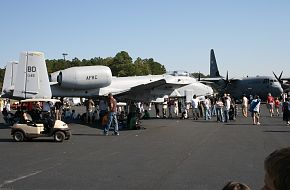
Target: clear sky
250	37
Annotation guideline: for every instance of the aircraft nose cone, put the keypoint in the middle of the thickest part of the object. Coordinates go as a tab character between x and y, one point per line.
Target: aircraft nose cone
277	91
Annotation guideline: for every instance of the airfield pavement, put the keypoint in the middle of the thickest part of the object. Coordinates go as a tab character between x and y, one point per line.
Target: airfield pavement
169	154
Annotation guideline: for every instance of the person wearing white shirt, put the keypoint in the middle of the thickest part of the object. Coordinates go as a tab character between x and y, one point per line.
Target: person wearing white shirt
227	108
194	105
245	106
207	108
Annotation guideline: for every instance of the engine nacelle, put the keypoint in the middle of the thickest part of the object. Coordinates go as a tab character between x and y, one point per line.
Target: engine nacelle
85	77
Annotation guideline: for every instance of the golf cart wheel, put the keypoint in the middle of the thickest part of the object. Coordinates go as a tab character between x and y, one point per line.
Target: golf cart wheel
59	136
68	136
18	136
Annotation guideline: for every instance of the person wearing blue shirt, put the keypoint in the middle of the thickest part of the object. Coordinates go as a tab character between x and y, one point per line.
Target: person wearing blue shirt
255	110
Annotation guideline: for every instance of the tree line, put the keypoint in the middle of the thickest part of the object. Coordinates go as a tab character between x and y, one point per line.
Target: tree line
121	65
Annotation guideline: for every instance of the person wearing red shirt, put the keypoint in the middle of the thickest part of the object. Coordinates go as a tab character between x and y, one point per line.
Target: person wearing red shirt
270	104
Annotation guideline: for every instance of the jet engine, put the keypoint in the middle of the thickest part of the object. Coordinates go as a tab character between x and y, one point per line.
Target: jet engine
85	77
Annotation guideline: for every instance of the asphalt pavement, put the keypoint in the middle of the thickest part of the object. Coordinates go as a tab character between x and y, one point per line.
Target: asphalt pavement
169	154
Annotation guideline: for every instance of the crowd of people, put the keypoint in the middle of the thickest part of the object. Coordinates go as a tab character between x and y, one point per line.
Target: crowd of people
106	113
224	108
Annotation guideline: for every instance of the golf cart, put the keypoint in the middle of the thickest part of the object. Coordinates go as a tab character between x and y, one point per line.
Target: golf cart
34	122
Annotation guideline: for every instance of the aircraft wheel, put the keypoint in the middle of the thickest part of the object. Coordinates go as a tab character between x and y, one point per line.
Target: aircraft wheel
59	136
18	136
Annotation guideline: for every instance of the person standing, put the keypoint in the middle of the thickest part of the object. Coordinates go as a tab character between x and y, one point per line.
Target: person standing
277	106
89	108
156	105
219	110
245	106
286	111
227	108
164	108
255	110
207	108
194	105
270	104
112	104
170	107
58	108
176	110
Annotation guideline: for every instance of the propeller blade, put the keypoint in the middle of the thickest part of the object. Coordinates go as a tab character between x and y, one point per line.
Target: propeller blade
280	75
275	76
279	78
199	75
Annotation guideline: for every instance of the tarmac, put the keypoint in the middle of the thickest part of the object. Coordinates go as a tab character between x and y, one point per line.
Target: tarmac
169	154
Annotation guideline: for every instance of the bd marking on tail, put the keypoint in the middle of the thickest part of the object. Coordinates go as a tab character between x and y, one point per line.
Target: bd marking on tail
31	71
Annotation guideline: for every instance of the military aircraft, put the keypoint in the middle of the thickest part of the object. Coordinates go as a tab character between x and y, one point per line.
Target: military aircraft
259	85
32	81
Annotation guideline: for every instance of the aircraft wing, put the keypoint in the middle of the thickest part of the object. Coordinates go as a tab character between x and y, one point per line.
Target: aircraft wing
219	84
149	91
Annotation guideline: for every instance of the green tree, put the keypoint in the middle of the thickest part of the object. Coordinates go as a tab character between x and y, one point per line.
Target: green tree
141	67
121	64
155	67
122	58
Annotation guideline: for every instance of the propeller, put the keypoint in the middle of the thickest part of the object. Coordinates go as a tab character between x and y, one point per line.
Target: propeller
227	81
225	84
279	79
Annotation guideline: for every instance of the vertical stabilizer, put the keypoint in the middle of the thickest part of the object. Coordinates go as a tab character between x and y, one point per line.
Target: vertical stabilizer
32	78
214	71
9	78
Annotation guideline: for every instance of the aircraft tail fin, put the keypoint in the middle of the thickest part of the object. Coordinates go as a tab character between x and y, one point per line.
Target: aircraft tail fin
9	78
214	71
32	77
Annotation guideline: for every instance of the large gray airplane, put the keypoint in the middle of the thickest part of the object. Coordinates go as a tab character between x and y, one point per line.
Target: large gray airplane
31	81
259	85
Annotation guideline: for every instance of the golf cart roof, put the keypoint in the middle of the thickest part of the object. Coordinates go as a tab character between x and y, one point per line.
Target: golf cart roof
40	100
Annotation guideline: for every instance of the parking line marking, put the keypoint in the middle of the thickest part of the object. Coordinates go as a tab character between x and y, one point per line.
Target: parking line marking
19	178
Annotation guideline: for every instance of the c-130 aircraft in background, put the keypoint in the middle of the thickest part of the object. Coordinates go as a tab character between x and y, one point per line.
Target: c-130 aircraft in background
29	79
237	87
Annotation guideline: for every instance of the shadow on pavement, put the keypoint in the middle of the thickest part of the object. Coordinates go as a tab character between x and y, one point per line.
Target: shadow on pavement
276	131
6	140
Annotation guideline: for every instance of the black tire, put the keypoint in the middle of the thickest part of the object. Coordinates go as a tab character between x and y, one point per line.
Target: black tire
18	136
68	136
59	136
